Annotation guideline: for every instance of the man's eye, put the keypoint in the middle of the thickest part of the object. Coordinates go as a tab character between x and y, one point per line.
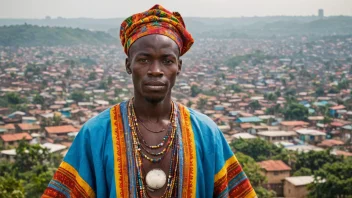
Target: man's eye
168	62
143	60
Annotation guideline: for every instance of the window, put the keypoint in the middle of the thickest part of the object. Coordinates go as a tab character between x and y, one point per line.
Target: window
276	172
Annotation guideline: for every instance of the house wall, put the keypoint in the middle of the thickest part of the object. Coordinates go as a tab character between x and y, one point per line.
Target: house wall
291	191
276	177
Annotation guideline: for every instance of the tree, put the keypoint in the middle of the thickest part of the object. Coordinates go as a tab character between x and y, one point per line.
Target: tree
10	187
92	76
14	98
257	148
303	172
252	170
38	99
195	90
332	180
313	160
295	111
68	73
110	80
255	105
57	120
201	103
320	92
78	96
103	85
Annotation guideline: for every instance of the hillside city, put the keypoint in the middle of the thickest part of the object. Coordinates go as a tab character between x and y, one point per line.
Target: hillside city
283	104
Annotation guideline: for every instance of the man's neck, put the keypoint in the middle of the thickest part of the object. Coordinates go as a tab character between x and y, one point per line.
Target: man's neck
152	111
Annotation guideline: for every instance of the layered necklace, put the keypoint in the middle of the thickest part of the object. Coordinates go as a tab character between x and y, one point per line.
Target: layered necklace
156	178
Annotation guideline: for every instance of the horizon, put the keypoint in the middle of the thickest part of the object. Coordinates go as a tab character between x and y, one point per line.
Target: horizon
106	9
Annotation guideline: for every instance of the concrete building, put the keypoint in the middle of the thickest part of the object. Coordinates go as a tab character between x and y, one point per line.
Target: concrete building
296	187
277	136
321	13
276	171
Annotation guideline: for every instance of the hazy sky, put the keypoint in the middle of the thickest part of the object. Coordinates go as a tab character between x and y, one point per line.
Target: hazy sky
199	8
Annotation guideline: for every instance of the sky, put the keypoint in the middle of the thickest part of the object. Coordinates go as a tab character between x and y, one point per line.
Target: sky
187	8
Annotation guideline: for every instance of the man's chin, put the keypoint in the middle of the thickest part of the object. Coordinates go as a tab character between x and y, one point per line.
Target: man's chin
154	100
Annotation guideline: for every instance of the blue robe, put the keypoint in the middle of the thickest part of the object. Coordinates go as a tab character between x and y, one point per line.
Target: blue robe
100	162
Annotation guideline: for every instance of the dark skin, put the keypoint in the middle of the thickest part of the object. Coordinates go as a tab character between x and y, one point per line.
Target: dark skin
154	62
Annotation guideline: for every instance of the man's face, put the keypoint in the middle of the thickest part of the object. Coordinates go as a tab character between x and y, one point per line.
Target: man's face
154	63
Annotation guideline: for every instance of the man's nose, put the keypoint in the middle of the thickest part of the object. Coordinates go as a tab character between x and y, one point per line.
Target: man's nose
155	69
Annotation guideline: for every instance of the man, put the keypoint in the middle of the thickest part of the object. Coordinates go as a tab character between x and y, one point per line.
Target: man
151	146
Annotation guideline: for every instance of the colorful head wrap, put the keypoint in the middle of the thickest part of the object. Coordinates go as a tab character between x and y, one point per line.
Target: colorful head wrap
156	20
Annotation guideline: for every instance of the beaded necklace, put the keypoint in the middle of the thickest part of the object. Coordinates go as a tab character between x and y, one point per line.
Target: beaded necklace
138	153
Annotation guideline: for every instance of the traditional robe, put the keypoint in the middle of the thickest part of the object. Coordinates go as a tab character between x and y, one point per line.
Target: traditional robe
100	161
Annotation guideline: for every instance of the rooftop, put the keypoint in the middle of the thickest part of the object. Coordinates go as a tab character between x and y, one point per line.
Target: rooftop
248	119
294	123
300	181
26	127
15	137
310	132
243	136
277	133
61	129
274	165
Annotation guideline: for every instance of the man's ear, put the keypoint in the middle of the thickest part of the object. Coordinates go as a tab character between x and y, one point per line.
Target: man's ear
128	65
179	66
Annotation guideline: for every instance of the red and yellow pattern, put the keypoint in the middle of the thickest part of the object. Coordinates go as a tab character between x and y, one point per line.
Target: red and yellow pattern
69	179
120	158
156	20
190	160
231	181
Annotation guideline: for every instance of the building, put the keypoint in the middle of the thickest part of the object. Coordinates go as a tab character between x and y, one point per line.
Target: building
296	187
55	131
277	136
276	171
29	128
310	135
290	125
13	139
321	13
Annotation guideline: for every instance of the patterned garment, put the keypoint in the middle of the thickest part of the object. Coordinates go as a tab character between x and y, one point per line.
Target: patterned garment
100	162
156	20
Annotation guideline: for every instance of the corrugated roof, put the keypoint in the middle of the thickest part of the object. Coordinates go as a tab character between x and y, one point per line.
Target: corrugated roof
300	181
274	165
249	119
294	123
26	127
61	129
15	137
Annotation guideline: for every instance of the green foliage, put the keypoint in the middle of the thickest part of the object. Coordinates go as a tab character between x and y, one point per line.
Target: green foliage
31	35
255	105
195	90
38	99
14	98
110	80
303	172
295	111
255	58
103	85
235	88
332	180
10	187
31	172
27	156
270	96
320	92
343	84
333	90
117	92
252	170
78	96
314	160
92	76
257	148
202	102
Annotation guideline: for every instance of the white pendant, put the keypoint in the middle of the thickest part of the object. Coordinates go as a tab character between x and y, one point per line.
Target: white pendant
155	179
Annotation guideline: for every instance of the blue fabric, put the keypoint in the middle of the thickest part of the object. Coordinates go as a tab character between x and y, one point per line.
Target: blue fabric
91	153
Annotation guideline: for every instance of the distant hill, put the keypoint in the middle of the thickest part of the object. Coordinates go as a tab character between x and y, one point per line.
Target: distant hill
32	35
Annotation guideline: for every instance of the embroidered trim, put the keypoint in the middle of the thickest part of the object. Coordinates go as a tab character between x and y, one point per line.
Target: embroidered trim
231	181
119	146
67	181
190	160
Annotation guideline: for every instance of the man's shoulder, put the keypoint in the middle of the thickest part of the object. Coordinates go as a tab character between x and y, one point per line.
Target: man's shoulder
201	118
